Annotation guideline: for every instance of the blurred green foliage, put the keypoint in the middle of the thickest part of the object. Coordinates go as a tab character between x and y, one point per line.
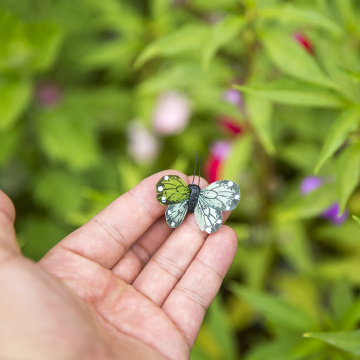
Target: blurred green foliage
75	74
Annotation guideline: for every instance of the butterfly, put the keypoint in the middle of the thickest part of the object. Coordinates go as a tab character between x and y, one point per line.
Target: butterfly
207	203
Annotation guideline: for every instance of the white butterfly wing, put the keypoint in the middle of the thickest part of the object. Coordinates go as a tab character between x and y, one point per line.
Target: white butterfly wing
222	195
175	213
208	218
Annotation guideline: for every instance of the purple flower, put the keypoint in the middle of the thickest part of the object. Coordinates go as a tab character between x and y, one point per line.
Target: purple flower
333	214
48	94
234	97
310	184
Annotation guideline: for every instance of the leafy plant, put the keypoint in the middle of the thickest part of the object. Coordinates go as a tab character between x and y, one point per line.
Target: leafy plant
97	95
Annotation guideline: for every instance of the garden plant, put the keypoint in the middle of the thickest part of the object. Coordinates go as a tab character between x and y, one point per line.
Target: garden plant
97	95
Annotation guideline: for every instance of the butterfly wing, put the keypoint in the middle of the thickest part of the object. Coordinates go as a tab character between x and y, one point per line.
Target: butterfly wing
171	189
222	195
175	213
208	218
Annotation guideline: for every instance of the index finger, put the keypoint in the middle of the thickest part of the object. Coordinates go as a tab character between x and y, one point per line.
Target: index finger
107	236
8	242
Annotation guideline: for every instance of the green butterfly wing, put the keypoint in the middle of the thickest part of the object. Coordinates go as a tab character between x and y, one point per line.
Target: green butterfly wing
171	189
219	196
175	213
222	195
208	218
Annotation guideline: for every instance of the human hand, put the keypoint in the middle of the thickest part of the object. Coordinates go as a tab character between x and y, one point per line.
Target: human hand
123	286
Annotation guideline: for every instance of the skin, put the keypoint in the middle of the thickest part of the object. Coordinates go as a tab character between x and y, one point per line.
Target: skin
123	286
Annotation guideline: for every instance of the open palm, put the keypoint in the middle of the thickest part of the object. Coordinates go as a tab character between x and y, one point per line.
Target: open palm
123	286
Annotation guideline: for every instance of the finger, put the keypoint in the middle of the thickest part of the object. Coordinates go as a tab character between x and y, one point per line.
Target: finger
107	236
138	255
187	303
140	252
7	233
170	262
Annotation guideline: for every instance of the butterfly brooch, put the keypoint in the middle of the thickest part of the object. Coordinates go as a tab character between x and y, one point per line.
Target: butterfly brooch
207	203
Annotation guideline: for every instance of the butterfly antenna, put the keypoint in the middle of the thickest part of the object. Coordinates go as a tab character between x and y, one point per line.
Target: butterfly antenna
199	168
195	167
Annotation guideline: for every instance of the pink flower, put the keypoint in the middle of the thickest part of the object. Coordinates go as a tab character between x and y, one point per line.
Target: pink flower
48	94
143	146
172	113
304	42
220	149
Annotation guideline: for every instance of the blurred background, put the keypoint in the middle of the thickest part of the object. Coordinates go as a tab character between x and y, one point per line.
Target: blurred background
96	95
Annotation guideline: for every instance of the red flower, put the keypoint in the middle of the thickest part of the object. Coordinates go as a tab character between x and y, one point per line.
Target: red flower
218	153
231	126
212	169
304	42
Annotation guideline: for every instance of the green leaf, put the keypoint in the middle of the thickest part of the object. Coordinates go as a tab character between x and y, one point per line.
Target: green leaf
255	262
24	46
335	56
340	128
353	75
285	348
113	54
181	163
58	191
9	143
234	164
347	173
45	39
346	340
129	174
293	245
341	297
178	76
279	349
186	39
308	206
220	325
160	8
294	15
260	114
338	267
15	95
347	13
291	58
38	234
68	139
356	218
308	98
276	310
300	155
220	34
215	5
351	316
15	50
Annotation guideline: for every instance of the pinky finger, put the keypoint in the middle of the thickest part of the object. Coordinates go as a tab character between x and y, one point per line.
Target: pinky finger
187	303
